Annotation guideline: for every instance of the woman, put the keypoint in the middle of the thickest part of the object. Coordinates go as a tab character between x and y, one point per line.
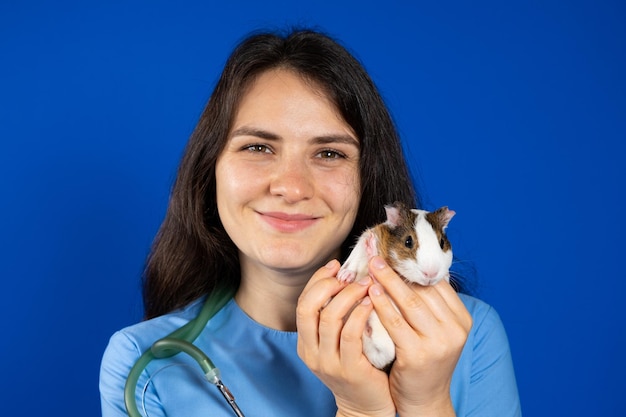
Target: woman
293	157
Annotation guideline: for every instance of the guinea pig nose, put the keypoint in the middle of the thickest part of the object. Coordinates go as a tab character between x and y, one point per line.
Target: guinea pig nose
430	273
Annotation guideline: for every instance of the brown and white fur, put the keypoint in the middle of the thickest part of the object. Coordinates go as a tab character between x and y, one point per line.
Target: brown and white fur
413	242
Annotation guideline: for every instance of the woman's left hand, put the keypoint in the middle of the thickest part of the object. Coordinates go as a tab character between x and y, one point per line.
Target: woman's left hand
429	333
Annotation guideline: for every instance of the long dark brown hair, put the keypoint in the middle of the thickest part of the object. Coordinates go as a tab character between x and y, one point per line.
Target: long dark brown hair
192	251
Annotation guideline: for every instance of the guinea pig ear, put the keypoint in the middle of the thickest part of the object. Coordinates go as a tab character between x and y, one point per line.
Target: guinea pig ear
393	215
445	215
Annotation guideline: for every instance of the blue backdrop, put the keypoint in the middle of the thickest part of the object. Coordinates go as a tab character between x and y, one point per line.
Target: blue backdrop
513	114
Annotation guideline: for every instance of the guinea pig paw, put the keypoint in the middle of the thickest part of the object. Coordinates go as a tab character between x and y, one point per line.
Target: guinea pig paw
346	275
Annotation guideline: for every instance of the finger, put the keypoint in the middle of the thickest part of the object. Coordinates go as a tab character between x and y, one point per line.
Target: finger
444	303
394	285
327	271
411	303
432	297
421	305
334	316
351	342
454	303
393	321
321	287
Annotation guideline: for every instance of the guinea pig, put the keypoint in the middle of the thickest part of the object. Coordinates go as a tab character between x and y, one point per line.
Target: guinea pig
413	242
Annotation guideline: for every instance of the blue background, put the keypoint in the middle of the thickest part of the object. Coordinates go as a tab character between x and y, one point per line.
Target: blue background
513	114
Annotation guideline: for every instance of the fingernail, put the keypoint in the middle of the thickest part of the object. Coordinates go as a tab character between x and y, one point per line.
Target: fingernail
364	281
331	264
366	301
376	290
378	262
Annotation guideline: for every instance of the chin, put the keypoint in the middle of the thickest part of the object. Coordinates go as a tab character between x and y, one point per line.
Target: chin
291	259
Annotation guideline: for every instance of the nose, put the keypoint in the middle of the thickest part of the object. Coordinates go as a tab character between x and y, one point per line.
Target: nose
431	273
292	181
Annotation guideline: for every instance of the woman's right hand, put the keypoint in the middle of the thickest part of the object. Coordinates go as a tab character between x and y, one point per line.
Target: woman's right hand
331	317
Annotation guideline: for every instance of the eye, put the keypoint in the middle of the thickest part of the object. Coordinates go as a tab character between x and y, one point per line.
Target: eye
408	242
330	154
257	148
442	243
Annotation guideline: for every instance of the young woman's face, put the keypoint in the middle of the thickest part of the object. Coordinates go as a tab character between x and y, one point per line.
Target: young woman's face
287	181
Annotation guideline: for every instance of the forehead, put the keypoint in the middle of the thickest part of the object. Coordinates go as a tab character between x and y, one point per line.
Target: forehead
280	83
282	98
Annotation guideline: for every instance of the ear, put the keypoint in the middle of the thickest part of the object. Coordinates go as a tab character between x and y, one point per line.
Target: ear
393	215
445	215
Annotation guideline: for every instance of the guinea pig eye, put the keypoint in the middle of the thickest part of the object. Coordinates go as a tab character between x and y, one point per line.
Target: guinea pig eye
441	243
408	242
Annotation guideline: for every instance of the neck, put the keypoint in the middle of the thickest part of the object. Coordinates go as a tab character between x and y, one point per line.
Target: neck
270	297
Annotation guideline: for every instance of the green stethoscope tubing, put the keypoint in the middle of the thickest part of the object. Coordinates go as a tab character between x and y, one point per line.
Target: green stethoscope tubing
178	341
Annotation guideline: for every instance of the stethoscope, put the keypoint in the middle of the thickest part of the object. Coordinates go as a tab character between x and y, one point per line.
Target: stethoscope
181	340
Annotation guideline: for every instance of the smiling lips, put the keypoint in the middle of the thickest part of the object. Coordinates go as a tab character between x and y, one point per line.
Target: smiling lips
284	222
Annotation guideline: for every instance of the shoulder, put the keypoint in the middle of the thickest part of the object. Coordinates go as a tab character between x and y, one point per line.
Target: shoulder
486	382
488	335
127	345
484	315
149	330
133	340
474	305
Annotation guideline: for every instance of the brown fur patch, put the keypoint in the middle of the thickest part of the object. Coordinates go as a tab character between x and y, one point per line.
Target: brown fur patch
395	238
439	222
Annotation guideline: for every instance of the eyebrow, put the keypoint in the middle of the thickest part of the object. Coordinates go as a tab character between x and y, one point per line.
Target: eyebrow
323	139
249	131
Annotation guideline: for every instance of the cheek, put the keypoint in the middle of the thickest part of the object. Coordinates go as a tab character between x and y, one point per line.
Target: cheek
343	191
233	183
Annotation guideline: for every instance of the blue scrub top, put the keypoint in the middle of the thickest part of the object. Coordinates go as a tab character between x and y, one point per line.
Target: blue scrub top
261	368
